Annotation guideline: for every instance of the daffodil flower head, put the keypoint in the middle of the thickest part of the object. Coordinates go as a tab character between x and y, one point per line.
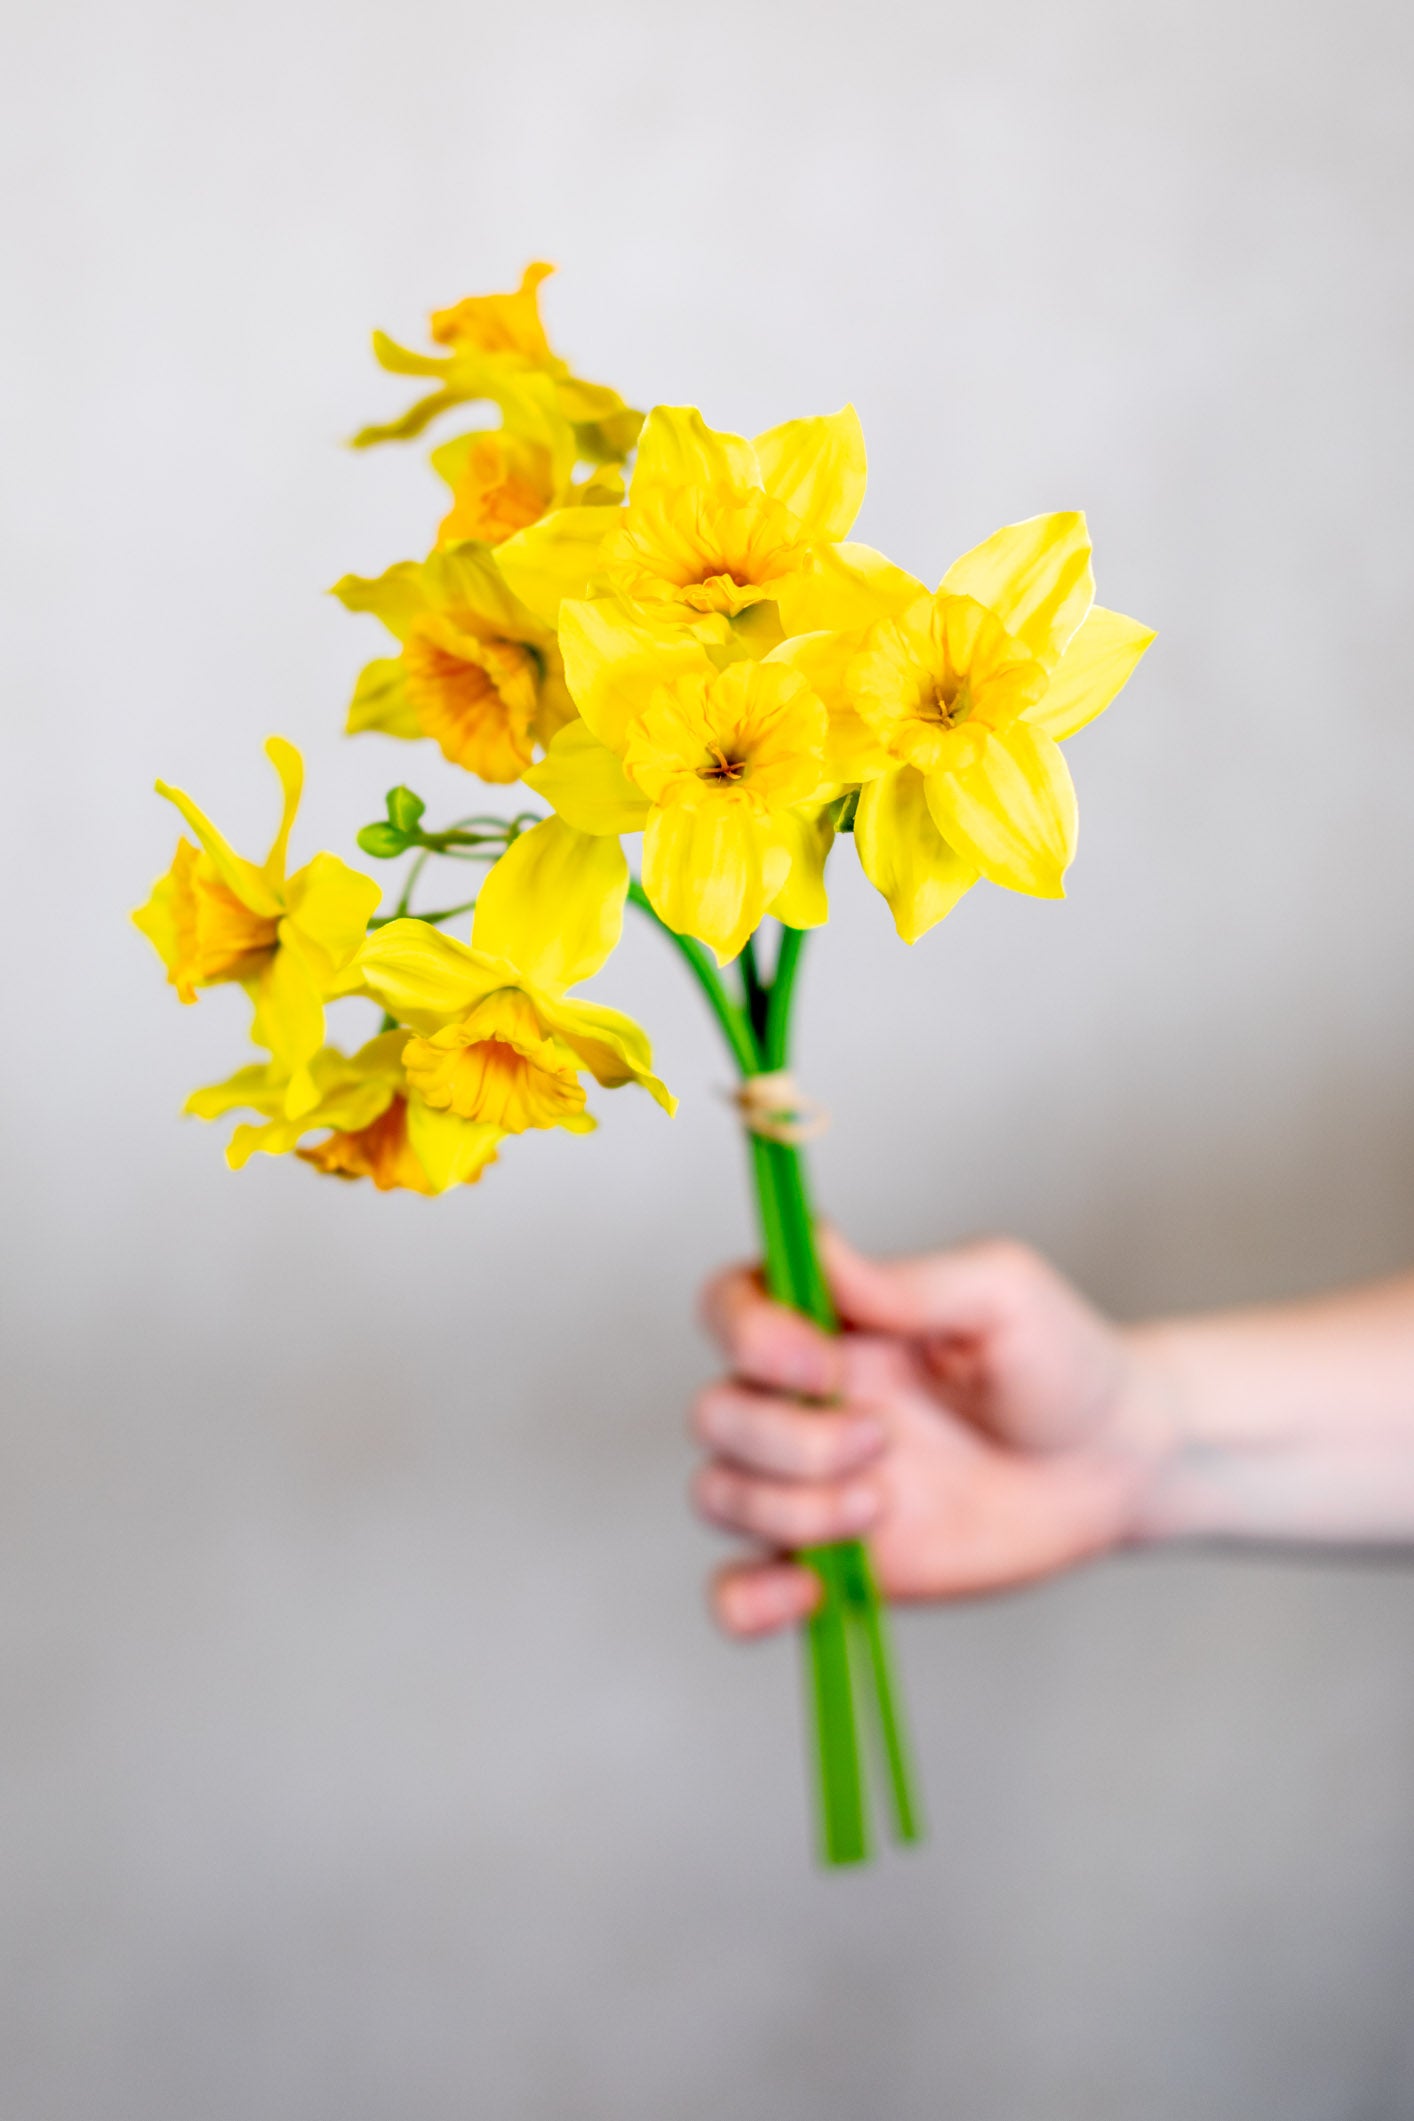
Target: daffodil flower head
496	1040
289	940
500	481
478	672
948	709
380	1128
750	737
715	525
497	349
500	324
718	758
945	667
505	478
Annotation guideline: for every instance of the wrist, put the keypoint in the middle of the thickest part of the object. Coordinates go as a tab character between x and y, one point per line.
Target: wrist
1151	1429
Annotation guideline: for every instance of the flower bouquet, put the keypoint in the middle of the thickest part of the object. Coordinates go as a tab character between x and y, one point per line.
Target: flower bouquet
660	629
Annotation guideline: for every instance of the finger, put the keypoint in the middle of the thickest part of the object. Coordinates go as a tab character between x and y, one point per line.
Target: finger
768	1344
784	1513
758	1597
969	1290
766	1435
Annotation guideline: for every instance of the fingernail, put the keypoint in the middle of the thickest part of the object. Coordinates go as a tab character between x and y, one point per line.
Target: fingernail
865	1433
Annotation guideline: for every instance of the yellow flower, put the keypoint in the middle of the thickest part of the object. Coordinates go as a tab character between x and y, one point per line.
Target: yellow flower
499	324
714	525
502	480
478	673
380	1128
496	1040
288	940
497	350
720	762
950	707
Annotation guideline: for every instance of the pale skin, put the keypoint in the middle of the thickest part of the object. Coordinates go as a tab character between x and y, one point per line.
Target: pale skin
982	1426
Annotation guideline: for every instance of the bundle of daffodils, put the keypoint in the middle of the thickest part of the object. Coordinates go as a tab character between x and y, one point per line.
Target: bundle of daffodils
659	629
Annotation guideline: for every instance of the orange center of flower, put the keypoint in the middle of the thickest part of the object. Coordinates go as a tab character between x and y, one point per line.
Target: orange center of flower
947	704
721	768
708	552
498	493
498	1066
380	1151
474	697
217	937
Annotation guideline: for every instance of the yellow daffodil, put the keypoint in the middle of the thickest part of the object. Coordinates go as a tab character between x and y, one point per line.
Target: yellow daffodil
380	1128
215	917
949	709
495	1038
478	673
719	759
502	480
715	525
497	351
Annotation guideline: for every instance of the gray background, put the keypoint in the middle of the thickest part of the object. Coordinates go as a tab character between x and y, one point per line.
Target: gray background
367	1750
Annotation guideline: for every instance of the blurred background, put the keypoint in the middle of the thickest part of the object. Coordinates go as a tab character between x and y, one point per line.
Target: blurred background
367	1751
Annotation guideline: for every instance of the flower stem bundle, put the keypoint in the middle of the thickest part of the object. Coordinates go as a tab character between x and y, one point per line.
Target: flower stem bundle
664	633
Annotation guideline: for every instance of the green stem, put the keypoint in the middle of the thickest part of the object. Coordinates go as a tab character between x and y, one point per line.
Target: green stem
735	1029
776	1045
758	999
446	913
850	1662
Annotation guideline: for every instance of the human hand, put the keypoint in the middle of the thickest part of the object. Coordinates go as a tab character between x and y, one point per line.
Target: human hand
985	1426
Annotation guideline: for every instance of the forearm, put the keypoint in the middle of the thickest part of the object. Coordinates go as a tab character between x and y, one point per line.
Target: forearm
1291	1423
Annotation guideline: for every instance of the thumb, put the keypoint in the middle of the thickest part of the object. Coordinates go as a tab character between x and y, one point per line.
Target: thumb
970	1290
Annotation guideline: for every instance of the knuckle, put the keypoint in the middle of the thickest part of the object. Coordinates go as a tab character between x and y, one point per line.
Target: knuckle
821	1445
1011	1260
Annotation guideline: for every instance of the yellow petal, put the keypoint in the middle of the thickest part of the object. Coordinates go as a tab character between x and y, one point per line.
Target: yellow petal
1009	806
904	855
553	905
331	905
817	467
614	666
259	1088
711	870
397	596
1097	665
158	919
556	557
847	588
425	978
469	577
380	701
853	752
807	837
401	361
452	1151
290	767
276	1138
418	415
609	1044
1035	576
584	782
678	451
249	884
289	1019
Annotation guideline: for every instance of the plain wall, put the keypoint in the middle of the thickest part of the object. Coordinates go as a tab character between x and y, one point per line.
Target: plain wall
367	1750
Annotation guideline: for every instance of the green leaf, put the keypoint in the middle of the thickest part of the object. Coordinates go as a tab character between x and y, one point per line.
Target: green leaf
404	809
383	842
